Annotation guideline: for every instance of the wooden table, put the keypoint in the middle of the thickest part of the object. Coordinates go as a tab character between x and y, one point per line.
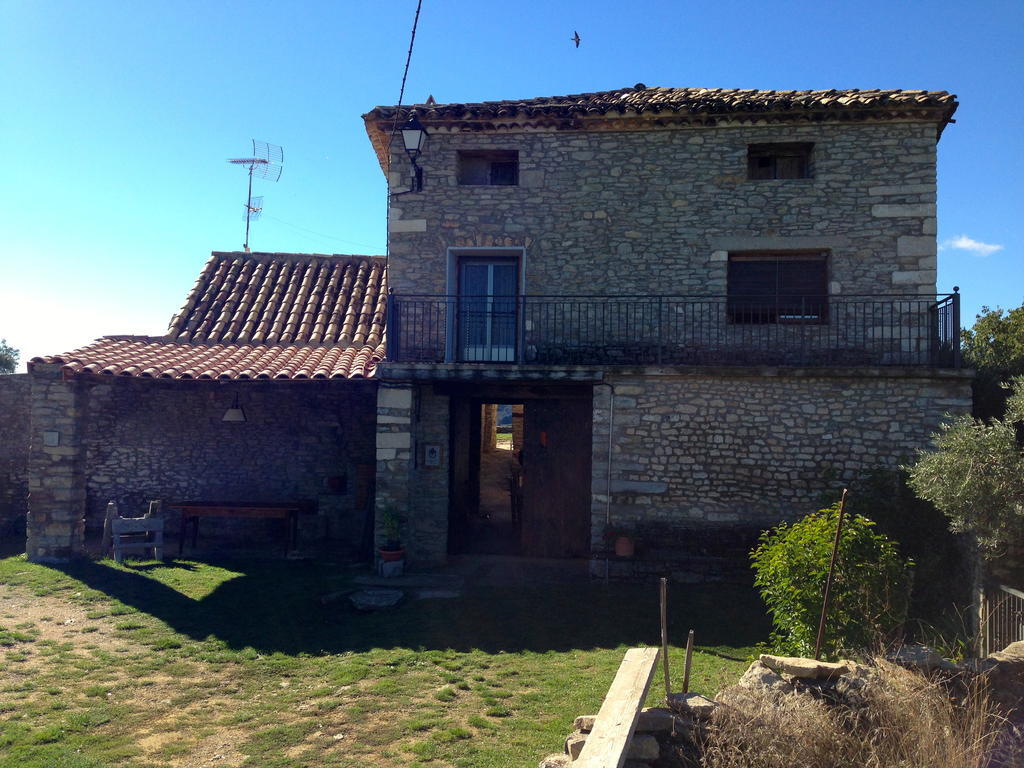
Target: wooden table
195	510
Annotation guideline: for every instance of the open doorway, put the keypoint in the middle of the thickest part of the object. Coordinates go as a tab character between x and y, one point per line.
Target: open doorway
520	471
495	527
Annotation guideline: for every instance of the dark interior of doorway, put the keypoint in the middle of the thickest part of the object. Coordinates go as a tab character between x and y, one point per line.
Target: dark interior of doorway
495	520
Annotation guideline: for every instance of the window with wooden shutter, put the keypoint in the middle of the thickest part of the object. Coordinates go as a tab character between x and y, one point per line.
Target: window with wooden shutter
777	288
493	168
779	161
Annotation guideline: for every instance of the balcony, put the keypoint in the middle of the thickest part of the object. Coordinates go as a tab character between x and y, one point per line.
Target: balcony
832	331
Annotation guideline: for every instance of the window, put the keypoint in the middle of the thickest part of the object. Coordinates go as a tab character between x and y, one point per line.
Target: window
779	161
488	167
777	288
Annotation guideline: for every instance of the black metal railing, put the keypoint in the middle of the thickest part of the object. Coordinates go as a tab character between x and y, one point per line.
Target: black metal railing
909	330
1002	618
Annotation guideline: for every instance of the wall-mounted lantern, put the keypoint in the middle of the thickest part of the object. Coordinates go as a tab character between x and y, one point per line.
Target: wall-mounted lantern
414	137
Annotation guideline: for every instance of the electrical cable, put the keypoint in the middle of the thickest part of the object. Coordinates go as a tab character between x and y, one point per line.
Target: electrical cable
398	111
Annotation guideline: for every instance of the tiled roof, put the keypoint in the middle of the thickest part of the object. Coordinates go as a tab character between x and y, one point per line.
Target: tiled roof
708	100
259	316
157	358
700	105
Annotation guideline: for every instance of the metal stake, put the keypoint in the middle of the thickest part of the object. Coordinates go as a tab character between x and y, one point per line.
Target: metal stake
828	581
664	635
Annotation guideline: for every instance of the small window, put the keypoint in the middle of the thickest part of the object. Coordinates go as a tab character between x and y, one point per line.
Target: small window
779	161
778	288
489	167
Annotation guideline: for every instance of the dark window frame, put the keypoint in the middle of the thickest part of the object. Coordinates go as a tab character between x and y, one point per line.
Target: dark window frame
487	167
789	160
789	287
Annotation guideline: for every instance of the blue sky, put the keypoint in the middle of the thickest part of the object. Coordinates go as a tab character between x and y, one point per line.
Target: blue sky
118	117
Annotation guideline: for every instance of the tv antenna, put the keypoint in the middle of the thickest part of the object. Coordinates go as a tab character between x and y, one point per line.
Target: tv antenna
266	164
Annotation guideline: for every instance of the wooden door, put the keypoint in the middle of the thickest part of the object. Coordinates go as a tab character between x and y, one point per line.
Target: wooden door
556	478
464	480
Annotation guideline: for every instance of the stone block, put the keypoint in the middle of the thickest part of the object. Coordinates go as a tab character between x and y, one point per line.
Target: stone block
915	245
396	440
398	226
394	397
902	190
693	705
809	669
903	210
913	277
555	761
638	486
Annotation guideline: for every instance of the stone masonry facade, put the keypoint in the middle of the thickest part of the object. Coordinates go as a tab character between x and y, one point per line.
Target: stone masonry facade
409	419
707	451
658	211
129	441
15	390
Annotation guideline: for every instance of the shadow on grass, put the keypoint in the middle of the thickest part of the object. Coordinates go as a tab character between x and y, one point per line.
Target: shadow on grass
275	606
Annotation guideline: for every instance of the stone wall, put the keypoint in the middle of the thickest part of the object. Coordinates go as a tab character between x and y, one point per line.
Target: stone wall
129	441
409	420
14	419
657	211
701	461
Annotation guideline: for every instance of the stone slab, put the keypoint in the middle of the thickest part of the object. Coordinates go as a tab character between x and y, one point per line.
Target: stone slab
376	599
807	669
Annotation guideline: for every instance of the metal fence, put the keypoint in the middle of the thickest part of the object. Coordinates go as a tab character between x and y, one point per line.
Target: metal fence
1002	618
909	330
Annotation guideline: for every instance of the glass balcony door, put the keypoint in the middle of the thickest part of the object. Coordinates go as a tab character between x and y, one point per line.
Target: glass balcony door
487	311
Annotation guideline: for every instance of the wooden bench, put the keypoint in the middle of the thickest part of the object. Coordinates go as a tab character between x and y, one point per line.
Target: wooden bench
195	510
613	728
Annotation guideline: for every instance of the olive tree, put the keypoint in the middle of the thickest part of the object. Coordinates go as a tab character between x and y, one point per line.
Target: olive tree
975	475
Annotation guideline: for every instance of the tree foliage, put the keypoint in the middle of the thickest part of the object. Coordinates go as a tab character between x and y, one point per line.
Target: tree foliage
995	347
869	594
8	357
975	475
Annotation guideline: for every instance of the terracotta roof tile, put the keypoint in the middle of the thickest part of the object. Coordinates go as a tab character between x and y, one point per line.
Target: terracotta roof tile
693	105
259	316
157	358
641	99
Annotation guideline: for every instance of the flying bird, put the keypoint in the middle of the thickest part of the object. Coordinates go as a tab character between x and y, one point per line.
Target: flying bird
575	38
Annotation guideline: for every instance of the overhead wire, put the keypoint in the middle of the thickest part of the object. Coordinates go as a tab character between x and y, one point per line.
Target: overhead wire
323	235
394	124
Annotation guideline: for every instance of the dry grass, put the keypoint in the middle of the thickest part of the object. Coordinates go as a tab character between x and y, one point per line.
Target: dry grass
899	718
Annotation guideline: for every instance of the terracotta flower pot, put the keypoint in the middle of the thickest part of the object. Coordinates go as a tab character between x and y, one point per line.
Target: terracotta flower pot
392	555
624	546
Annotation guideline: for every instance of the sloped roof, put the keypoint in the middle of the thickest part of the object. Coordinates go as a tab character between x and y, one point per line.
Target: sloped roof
259	316
689	105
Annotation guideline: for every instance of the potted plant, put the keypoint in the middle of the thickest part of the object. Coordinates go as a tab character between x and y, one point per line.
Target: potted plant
621	540
392	550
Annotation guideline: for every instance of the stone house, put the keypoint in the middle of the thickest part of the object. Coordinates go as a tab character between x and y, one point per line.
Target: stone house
714	305
707	308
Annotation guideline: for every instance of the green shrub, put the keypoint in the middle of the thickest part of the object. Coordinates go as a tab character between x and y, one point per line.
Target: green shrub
869	591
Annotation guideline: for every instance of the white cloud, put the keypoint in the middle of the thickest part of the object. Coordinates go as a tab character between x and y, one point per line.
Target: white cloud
965	243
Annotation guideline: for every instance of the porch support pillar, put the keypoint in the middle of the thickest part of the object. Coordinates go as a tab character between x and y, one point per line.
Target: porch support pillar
56	503
394	456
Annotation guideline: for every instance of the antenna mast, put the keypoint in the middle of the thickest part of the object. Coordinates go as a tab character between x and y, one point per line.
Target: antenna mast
266	163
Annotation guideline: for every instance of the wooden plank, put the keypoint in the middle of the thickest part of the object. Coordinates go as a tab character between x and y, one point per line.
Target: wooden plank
613	728
127	525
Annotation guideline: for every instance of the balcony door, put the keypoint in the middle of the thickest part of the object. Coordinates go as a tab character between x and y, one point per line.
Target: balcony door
487	310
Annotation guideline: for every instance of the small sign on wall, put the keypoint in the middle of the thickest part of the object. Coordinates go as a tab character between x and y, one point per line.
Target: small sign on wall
432	455
51	438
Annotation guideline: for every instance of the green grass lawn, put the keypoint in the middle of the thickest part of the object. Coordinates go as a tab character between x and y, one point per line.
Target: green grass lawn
239	663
